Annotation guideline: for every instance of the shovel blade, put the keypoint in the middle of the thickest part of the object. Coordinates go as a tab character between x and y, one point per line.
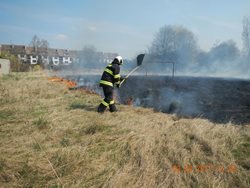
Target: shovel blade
140	59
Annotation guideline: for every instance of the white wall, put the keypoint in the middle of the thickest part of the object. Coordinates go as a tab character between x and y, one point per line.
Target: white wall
22	57
55	60
33	60
45	59
4	66
66	60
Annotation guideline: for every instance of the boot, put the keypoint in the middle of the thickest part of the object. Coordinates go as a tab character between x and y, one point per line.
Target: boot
112	108
101	108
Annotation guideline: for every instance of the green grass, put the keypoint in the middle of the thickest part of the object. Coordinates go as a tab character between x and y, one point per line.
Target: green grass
29	175
11	76
36	146
39	111
242	153
77	105
65	141
41	123
2	164
6	114
96	128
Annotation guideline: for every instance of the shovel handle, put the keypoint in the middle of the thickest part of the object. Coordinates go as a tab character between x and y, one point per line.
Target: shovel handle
129	74
139	62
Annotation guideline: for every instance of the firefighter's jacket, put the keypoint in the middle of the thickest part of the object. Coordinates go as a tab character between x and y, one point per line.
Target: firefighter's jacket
111	75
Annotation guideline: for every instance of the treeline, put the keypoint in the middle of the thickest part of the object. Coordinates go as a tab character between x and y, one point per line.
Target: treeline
179	45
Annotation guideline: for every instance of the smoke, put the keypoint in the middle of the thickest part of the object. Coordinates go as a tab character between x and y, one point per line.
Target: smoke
179	102
89	61
176	76
223	60
217	99
154	66
169	100
179	46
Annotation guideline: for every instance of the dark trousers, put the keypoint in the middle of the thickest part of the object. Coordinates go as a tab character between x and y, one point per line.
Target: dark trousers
108	101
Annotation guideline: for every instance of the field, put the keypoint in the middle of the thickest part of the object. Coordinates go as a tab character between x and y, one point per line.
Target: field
221	100
52	137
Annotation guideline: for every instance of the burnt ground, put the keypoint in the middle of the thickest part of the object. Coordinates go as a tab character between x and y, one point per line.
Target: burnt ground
218	99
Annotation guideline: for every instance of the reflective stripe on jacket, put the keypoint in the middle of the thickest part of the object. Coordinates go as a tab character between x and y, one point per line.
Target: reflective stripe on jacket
111	75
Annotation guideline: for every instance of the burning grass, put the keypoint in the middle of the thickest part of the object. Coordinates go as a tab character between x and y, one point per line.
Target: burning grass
51	136
70	84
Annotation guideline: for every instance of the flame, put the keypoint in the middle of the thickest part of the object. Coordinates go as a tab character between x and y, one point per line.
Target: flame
87	90
129	101
55	79
70	84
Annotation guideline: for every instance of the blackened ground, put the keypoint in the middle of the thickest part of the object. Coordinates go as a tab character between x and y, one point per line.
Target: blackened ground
217	99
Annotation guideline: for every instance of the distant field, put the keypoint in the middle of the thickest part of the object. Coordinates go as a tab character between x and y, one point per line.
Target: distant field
53	137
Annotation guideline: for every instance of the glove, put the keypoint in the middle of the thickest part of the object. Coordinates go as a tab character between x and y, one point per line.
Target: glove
121	80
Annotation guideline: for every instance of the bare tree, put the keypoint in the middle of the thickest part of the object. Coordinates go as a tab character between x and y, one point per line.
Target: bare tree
44	43
37	43
174	43
246	36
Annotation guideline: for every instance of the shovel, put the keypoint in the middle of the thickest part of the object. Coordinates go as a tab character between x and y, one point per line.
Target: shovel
139	62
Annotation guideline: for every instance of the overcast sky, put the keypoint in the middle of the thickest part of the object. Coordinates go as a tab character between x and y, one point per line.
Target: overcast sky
122	26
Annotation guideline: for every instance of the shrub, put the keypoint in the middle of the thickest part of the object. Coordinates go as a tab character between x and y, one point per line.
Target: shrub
15	64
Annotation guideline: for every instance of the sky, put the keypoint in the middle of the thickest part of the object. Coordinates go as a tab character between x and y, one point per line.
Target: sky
126	27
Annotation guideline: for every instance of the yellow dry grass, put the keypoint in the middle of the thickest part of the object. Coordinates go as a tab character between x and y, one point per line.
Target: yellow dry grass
53	137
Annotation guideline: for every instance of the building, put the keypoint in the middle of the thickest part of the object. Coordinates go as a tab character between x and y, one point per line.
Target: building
4	66
51	56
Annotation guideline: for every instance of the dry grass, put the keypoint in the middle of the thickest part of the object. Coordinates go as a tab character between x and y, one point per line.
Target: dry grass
43	122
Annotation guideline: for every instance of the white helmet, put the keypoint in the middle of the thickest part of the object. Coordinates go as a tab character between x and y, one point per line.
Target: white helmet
119	59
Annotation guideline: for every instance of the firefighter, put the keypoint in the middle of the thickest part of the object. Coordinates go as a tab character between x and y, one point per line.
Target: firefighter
110	78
